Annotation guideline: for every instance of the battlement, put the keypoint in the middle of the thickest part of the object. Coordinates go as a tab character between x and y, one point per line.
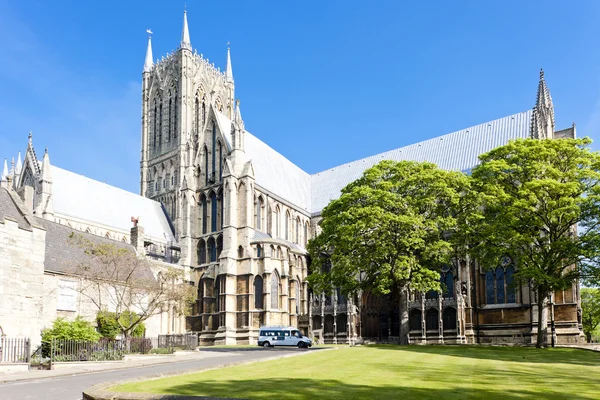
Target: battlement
208	68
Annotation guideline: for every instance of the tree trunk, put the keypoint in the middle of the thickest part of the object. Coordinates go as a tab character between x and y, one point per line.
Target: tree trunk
403	311
542	334
588	337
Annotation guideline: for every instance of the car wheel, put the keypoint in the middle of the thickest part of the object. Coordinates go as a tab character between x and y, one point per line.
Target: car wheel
266	345
301	345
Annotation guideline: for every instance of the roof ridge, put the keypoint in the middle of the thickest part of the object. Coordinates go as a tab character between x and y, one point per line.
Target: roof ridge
418	143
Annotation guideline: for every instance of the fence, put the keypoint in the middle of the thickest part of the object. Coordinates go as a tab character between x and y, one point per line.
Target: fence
187	341
14	350
61	350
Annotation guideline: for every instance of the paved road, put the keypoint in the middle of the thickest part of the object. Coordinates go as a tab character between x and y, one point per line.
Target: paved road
71	387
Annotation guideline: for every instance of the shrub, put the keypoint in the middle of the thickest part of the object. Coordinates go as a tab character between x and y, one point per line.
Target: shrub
79	329
109	327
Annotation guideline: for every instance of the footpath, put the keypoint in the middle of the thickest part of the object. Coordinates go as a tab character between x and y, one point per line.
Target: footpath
133	361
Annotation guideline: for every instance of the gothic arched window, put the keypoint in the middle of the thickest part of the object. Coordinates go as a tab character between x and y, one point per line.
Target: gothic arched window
219	149
212	250
305	234
449	283
201	252
432	321
414	320
213	212
197	115
490	298
500	285
449	318
277	221
214	150
287	225
170	118
274	290
175	117
160	124
510	285
259	206
204	213
258	292
206	163
155	130
219	246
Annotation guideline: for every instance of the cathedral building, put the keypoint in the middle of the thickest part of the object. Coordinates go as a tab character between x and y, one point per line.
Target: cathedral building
219	202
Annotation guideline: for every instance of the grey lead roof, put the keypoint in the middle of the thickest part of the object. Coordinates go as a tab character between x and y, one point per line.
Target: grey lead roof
90	200
9	209
457	151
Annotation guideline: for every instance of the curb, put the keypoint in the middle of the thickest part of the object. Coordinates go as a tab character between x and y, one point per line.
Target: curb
65	372
101	392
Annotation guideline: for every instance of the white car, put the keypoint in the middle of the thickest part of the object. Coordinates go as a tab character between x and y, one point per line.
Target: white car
282	336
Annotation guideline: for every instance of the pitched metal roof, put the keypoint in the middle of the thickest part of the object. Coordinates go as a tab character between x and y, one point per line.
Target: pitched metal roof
89	200
277	174
457	151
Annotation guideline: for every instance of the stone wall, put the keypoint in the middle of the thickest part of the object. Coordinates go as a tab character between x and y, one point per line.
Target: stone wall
22	251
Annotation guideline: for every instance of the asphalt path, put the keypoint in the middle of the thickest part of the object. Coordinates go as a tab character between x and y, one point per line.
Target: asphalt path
71	387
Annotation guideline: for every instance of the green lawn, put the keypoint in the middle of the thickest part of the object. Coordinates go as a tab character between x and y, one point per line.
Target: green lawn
394	372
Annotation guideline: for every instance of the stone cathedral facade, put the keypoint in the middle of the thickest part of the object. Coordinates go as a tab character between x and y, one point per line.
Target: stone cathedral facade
243	213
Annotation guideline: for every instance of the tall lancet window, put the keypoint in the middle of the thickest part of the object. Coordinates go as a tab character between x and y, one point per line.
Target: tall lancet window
220	162
197	115
213	212
160	124
155	130
175	117
259	205
214	149
206	163
170	118
274	290
203	113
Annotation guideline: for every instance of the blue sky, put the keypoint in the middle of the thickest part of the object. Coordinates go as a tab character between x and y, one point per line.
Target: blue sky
322	82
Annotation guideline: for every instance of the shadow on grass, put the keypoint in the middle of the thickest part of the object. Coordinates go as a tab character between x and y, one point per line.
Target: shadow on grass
260	349
298	389
501	353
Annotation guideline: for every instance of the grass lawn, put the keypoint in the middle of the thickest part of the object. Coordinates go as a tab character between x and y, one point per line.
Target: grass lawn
394	372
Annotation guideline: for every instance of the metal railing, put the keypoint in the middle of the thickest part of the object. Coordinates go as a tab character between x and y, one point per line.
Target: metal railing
186	341
14	350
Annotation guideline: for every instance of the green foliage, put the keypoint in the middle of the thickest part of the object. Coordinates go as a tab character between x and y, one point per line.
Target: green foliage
387	230
109	326
590	318
79	329
531	196
162	350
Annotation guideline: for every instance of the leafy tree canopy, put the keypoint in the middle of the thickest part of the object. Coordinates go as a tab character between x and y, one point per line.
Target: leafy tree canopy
532	196
590	305
387	230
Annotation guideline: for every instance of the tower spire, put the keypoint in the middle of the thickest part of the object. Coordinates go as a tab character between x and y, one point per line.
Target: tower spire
542	119
185	33
148	64
228	70
19	165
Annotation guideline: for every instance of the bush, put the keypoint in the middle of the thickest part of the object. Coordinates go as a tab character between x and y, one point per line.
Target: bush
79	329
109	327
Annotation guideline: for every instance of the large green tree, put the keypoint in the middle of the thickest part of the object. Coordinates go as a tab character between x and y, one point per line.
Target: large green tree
388	232
590	305
534	195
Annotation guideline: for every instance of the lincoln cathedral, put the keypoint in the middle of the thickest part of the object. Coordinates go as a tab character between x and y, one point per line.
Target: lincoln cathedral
237	215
